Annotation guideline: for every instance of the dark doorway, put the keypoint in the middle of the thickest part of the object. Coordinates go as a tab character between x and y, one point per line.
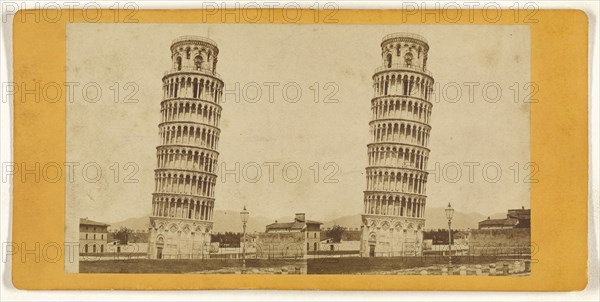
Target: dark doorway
372	250
159	252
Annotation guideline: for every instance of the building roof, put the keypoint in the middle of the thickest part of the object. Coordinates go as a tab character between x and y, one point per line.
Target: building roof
287	225
514	218
505	222
86	221
295	225
313	222
522	214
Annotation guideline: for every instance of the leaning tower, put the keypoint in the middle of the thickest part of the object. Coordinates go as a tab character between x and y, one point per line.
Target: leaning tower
183	199
394	201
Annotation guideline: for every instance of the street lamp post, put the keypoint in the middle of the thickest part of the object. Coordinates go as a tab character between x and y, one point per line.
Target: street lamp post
244	215
449	213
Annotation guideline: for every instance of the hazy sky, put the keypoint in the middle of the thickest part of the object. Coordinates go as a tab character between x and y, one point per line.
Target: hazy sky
464	129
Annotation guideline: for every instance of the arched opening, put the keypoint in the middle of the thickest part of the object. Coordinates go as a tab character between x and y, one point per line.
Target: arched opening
388	60
178	63
372	242
408	57
198	62
195	88
385	87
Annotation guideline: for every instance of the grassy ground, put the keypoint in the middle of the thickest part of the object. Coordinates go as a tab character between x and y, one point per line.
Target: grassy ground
365	265
331	253
341	265
150	266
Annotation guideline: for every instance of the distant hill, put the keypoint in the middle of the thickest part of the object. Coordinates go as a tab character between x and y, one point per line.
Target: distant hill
350	221
135	223
224	221
227	221
435	218
230	221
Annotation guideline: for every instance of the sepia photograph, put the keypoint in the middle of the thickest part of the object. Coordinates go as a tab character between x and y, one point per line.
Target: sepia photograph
299	149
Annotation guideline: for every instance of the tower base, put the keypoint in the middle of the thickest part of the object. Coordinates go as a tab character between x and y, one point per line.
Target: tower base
391	236
173	238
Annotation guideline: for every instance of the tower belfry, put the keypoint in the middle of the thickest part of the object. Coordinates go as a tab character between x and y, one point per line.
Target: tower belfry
394	201
185	177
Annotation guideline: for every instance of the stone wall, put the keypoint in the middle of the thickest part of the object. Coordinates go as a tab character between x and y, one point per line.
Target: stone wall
340	246
281	245
500	241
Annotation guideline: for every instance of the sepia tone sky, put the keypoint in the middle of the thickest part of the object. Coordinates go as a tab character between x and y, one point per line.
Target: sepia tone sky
327	141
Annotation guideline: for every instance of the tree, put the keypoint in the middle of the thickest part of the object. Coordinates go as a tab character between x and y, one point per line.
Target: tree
227	239
122	235
335	233
440	236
